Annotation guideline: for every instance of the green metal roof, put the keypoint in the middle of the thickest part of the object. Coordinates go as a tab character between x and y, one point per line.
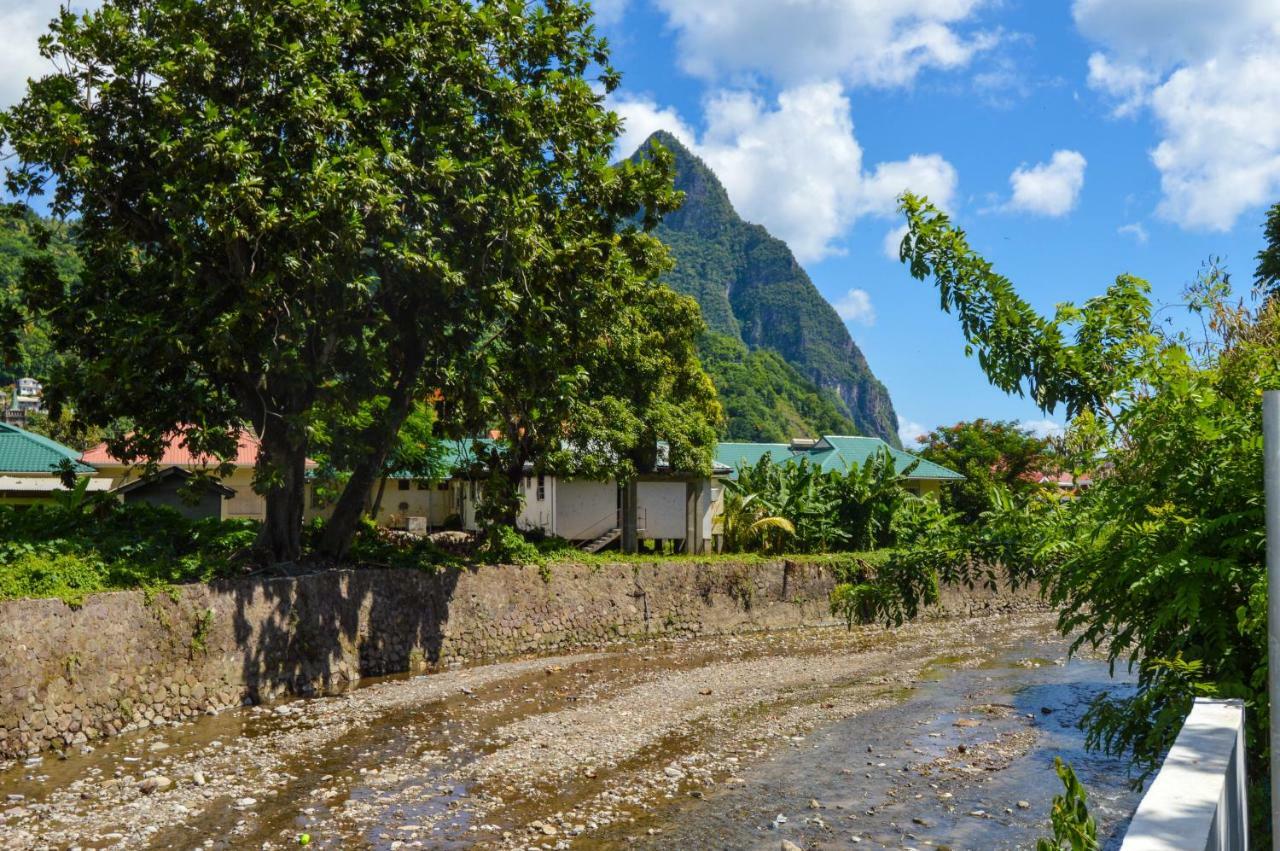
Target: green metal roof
833	452
24	452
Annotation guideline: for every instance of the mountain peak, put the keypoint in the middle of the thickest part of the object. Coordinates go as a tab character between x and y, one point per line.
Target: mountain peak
751	288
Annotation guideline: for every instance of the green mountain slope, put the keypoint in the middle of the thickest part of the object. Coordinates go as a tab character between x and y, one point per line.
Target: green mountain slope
752	289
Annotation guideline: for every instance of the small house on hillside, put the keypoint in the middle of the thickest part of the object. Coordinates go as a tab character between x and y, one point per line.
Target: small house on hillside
174	487
244	502
842	453
30	467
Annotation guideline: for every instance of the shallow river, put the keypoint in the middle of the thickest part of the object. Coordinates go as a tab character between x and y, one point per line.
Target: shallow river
939	734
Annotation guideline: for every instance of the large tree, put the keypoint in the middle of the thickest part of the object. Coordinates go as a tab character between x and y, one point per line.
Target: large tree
286	201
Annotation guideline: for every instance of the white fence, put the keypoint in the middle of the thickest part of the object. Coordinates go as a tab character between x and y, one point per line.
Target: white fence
1197	801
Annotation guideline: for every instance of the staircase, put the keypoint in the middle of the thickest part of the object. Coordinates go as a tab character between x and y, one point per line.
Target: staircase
598	544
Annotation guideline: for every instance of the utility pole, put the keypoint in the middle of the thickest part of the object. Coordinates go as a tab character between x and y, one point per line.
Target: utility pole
1271	477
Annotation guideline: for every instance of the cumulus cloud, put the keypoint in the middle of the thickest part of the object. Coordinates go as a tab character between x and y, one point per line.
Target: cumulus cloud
856	306
609	12
1049	189
910	432
22	22
1042	428
794	166
871	42
1207	75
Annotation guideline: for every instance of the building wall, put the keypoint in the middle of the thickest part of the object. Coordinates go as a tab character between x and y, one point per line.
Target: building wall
168	492
662	507
583	508
245	505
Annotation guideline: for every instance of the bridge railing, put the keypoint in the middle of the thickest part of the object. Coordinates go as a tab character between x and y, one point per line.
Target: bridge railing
1197	801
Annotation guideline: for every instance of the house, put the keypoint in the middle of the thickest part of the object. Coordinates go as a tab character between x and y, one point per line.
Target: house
670	505
31	465
173	487
842	453
26	396
243	504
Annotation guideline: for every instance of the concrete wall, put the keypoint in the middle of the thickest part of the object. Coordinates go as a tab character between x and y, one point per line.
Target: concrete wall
128	659
582	506
662	506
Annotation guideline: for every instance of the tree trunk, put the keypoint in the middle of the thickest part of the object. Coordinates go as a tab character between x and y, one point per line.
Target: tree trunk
280	539
378	439
377	502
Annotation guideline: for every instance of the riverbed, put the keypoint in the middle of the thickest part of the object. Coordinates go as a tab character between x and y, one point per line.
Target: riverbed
937	734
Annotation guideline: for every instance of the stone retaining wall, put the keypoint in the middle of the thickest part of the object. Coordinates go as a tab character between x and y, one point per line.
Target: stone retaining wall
130	659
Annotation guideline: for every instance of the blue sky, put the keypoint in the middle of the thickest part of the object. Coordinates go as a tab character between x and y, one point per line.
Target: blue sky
1073	140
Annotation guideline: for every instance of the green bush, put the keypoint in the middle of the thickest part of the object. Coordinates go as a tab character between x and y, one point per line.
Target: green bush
87	544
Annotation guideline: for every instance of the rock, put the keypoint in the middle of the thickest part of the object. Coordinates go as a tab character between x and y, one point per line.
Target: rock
1045	710
965	722
920	821
197	777
788	845
815	804
549	829
158	746
243	803
673	772
151	785
1024	805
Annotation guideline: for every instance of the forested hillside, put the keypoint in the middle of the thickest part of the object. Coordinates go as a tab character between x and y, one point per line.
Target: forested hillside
24	349
752	289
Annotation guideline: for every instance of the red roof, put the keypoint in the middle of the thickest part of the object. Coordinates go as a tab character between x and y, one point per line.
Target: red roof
176	454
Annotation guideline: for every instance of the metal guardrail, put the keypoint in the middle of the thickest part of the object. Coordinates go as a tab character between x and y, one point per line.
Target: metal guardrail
1198	800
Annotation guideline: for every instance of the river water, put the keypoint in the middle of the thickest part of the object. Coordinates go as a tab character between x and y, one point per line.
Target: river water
966	761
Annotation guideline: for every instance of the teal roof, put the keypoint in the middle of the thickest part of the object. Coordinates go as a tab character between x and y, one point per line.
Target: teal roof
24	452
832	452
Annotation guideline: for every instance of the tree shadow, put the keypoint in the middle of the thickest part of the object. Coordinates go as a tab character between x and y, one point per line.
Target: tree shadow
321	632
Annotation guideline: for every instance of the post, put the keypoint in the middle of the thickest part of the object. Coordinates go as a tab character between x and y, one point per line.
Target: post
1271	478
630	505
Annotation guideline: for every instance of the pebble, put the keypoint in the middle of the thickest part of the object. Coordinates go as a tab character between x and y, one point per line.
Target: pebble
788	845
197	777
1024	805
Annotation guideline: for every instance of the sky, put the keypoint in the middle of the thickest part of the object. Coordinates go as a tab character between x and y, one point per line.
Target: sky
1074	140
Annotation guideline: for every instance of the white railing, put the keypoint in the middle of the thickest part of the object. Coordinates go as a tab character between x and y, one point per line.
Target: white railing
1197	801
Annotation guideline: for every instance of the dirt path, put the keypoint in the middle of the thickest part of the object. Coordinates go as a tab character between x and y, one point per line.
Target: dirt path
574	751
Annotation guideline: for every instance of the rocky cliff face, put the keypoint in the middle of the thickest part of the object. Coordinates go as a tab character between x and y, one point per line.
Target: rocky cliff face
751	288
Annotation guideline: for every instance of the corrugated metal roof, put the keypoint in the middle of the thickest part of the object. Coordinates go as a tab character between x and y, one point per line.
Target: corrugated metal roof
176	454
833	452
24	452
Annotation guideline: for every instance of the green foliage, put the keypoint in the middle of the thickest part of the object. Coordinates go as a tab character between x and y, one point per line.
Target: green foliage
1161	562
91	544
751	289
765	399
361	222
24	345
1266	279
988	453
1073	828
798	507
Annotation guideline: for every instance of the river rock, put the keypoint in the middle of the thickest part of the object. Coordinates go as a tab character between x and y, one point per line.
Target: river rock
788	845
151	785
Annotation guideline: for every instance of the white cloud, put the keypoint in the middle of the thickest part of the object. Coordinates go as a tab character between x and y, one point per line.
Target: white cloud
1136	230
22	22
1207	72
856	306
609	12
1129	85
893	243
1049	189
641	118
796	166
909	432
1042	428
872	42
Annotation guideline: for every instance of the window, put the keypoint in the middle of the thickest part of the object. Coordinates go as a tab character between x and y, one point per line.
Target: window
423	484
542	487
403	484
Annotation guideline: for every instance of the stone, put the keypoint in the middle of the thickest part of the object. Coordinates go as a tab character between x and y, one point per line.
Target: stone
788	845
151	785
197	777
1024	805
